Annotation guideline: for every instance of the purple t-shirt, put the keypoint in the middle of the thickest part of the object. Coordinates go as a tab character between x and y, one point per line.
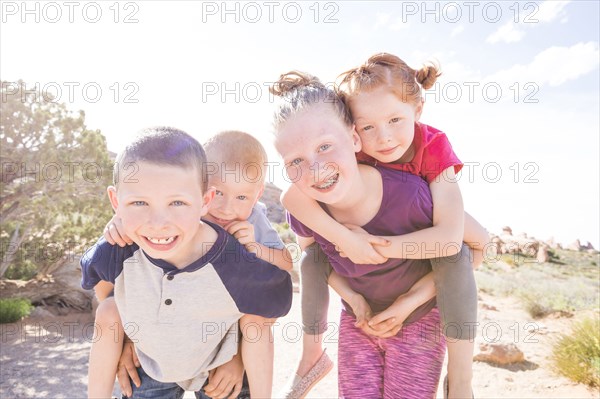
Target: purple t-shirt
406	206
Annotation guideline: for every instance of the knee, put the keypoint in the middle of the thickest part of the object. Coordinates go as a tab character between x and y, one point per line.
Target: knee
107	313
313	260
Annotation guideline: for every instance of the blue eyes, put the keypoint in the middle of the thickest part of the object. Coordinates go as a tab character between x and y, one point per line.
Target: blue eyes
219	193
144	203
298	161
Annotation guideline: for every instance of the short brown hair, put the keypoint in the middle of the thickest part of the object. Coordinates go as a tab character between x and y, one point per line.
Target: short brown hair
164	146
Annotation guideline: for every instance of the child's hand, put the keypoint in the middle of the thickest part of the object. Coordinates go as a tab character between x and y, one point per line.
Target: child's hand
127	368
361	310
114	233
243	231
387	323
359	246
226	380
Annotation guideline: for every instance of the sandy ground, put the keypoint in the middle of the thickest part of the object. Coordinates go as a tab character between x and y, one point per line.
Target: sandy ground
47	357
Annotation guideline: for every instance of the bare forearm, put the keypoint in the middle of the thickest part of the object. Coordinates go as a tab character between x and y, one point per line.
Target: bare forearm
275	256
341	286
421	292
309	213
476	236
433	242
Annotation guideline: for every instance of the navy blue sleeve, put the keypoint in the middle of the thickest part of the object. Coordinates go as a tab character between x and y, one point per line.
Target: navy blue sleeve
257	287
103	262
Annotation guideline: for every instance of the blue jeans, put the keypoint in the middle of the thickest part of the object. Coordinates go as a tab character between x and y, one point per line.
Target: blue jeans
152	389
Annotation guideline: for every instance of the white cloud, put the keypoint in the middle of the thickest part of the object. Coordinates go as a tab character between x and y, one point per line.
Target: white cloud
530	16
553	66
508	33
550	10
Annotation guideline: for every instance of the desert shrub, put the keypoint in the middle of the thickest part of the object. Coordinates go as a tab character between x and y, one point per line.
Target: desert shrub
285	233
12	310
577	356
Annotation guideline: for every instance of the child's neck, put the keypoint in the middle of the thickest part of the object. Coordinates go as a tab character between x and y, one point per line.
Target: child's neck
200	245
364	200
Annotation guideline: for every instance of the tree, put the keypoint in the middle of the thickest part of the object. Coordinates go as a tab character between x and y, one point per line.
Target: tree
54	175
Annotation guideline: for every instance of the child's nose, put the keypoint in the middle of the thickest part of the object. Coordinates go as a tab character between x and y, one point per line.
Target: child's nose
384	135
158	219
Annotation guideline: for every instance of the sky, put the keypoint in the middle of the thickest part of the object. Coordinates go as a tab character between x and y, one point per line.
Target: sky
518	98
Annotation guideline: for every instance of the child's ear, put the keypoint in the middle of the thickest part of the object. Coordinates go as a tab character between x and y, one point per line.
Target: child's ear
419	110
207	199
356	143
112	196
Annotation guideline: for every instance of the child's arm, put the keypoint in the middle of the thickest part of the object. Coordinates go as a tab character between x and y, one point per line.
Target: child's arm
275	256
446	236
357	302
358	248
226	381
103	290
114	233
476	237
389	322
243	231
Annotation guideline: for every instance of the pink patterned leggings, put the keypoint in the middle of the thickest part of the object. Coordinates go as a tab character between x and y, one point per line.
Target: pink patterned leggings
405	366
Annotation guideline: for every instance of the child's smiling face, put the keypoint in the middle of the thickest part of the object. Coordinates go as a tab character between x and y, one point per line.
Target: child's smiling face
385	124
235	197
161	207
318	150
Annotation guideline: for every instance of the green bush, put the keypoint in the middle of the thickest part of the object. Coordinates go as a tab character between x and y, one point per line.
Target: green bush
12	310
577	356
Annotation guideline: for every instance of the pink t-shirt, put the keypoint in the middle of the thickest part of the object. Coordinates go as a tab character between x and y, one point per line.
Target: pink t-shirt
433	154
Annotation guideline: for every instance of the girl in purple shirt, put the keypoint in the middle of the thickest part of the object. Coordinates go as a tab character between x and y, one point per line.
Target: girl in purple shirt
315	137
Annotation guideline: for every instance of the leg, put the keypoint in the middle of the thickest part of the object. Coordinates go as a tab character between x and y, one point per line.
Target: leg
152	389
314	290
360	362
457	300
257	354
314	272
105	351
414	359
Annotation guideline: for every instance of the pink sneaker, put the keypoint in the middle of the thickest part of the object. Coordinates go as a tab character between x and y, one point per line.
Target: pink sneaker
301	386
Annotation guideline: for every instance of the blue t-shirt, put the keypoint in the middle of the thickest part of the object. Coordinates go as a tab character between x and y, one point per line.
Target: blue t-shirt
184	321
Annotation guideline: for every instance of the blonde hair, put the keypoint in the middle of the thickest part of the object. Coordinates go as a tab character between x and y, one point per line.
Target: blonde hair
385	69
239	149
299	90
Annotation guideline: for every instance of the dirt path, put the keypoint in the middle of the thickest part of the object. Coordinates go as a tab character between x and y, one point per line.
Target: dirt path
47	357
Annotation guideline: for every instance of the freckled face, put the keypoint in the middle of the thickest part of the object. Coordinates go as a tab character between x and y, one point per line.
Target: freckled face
385	124
318	151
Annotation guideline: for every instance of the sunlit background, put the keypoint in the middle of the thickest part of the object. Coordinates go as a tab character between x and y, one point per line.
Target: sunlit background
518	98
